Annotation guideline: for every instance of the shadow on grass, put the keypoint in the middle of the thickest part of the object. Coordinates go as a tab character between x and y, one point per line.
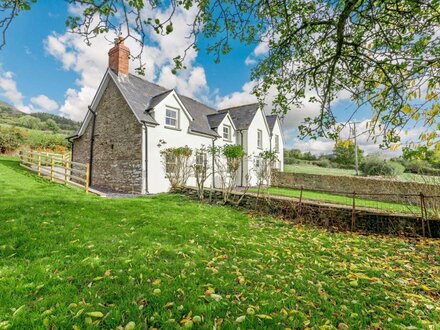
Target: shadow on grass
11	162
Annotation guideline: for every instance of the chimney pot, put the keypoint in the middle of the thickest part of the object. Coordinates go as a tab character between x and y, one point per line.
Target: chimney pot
118	57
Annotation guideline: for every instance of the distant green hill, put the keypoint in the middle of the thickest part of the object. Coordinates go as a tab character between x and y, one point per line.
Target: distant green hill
11	116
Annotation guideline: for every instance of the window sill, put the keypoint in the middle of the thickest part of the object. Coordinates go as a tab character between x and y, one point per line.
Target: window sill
172	128
260	148
226	140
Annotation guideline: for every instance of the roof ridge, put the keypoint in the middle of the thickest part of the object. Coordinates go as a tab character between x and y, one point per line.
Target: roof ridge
164	92
239	106
215	114
198	102
150	82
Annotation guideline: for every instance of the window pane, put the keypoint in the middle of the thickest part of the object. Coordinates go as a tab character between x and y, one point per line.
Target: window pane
170	163
200	159
171	113
259	138
226	134
171	118
171	122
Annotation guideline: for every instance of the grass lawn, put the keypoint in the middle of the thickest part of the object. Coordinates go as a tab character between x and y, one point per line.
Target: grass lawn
313	169
71	260
344	200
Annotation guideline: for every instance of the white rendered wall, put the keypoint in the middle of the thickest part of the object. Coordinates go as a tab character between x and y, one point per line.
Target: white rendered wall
280	153
252	149
160	138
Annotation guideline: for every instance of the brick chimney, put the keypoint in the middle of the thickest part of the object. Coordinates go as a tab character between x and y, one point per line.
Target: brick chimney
118	57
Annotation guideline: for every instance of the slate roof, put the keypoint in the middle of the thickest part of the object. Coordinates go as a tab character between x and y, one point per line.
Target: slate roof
216	119
155	100
271	120
243	115
143	95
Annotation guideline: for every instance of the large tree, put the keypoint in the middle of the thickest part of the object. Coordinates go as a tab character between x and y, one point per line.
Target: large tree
383	54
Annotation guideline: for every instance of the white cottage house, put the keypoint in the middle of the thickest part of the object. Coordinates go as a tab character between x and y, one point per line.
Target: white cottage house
131	120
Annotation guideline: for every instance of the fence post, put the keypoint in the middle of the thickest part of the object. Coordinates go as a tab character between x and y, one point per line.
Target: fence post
422	209
52	164
426	217
353	213
86	181
299	211
39	165
65	172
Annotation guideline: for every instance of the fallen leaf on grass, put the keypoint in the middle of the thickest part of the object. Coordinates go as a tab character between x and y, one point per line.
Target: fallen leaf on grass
264	316
19	310
216	297
240	319
95	314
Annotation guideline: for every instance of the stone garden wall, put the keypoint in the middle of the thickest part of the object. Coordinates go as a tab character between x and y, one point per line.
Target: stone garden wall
349	184
333	217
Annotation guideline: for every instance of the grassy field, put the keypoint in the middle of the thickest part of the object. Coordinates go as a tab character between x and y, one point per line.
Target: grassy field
70	260
343	200
314	169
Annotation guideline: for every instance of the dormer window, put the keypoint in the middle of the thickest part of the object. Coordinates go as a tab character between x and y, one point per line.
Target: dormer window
171	118
226	132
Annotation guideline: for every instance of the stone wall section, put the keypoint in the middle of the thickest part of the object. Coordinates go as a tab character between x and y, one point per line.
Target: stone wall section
117	154
332	217
350	184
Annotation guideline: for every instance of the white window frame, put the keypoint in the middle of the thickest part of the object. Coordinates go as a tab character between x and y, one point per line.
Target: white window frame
167	117
259	139
229	133
201	158
170	162
277	143
257	162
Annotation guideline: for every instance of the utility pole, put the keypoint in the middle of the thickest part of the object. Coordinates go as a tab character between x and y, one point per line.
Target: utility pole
356	156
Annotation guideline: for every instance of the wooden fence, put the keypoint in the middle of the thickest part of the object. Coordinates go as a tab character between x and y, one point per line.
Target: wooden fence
56	167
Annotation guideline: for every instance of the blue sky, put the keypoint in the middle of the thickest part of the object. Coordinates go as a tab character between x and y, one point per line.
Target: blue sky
37	72
45	68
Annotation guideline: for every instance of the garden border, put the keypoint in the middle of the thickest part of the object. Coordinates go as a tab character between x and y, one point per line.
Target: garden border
327	215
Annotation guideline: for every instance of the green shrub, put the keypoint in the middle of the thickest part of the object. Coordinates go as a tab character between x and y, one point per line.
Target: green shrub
40	140
10	139
324	163
414	166
29	122
232	151
376	166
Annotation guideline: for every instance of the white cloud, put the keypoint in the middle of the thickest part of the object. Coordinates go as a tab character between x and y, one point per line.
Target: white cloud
9	90
261	50
44	103
245	96
90	62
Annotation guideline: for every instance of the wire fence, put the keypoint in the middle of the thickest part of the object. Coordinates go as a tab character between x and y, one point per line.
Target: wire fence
424	207
417	204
